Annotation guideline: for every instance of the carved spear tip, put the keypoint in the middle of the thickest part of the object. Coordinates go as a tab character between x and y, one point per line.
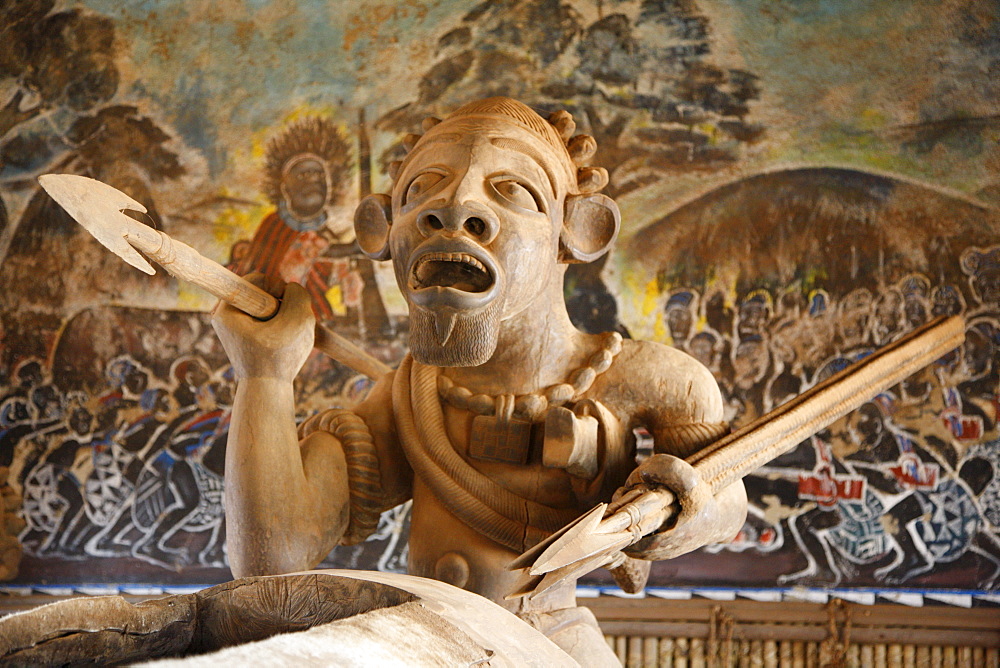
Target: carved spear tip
98	208
582	148
563	122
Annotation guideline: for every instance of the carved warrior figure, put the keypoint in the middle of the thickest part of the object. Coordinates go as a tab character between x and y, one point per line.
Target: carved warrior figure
505	422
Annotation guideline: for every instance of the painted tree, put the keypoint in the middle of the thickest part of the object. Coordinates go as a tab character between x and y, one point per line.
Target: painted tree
54	59
117	145
639	78
60	65
49	60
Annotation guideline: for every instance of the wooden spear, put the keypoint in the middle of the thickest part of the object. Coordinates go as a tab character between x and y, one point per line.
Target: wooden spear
98	208
596	538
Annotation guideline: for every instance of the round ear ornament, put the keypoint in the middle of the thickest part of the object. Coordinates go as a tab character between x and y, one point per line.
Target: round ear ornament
590	225
372	220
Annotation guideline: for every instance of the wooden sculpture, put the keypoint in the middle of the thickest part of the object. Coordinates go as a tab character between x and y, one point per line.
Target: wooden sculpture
336	618
505	423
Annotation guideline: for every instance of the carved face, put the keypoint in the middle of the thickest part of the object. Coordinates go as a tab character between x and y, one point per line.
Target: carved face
304	185
477	213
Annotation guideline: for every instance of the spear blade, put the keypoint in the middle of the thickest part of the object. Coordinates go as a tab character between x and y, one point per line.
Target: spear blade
587	523
98	208
618	530
572	571
584	549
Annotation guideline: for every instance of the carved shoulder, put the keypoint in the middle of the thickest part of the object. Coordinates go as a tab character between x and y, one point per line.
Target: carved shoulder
667	391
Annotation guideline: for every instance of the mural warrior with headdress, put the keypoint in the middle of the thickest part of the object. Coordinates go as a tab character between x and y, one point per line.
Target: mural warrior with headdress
306	177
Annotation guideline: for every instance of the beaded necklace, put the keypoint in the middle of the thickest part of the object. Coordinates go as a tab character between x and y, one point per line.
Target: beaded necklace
531	407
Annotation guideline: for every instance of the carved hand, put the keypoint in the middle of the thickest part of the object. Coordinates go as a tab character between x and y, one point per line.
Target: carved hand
275	348
698	520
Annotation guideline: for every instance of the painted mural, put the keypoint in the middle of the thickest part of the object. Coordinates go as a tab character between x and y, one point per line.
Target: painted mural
800	182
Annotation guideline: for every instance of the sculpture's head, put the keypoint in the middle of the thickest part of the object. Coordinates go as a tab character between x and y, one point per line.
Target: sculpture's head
485	209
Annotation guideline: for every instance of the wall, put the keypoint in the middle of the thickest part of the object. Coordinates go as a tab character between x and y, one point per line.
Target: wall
800	183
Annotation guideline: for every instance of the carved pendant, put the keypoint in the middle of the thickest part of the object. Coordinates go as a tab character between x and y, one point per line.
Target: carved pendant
497	440
571	441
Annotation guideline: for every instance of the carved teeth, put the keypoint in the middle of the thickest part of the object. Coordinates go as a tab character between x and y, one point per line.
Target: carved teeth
461	271
454	257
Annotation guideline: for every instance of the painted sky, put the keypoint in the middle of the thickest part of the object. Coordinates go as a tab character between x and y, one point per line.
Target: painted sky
847	83
842	80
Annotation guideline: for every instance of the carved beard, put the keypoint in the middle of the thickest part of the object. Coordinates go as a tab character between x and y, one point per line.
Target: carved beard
470	340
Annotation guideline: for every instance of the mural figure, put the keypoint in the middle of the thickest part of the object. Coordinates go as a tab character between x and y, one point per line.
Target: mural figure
887	321
893	491
309	238
486	211
680	314
124	480
51	494
842	516
983	270
182	490
852	320
916	299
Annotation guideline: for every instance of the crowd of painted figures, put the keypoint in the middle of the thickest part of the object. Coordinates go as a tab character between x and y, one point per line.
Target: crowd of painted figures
895	493
900	489
134	470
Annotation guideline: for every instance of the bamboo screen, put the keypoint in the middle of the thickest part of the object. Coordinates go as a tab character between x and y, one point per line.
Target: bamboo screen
649	633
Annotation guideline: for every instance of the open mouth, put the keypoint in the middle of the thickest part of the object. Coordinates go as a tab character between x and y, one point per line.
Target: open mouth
459	271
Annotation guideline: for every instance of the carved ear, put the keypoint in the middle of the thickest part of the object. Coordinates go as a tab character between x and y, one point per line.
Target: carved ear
590	225
372	220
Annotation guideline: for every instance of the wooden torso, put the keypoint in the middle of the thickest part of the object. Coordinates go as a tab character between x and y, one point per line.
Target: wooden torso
444	547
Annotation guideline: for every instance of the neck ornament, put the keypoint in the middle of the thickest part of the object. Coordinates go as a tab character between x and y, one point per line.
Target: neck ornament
532	407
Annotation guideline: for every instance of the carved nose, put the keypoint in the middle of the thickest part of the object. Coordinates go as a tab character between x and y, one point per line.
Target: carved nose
472	219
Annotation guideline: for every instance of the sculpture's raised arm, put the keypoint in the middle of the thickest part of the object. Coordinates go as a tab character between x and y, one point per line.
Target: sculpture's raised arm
286	504
292	494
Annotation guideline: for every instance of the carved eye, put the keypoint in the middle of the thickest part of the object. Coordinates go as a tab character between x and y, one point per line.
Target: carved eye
421	185
517	194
